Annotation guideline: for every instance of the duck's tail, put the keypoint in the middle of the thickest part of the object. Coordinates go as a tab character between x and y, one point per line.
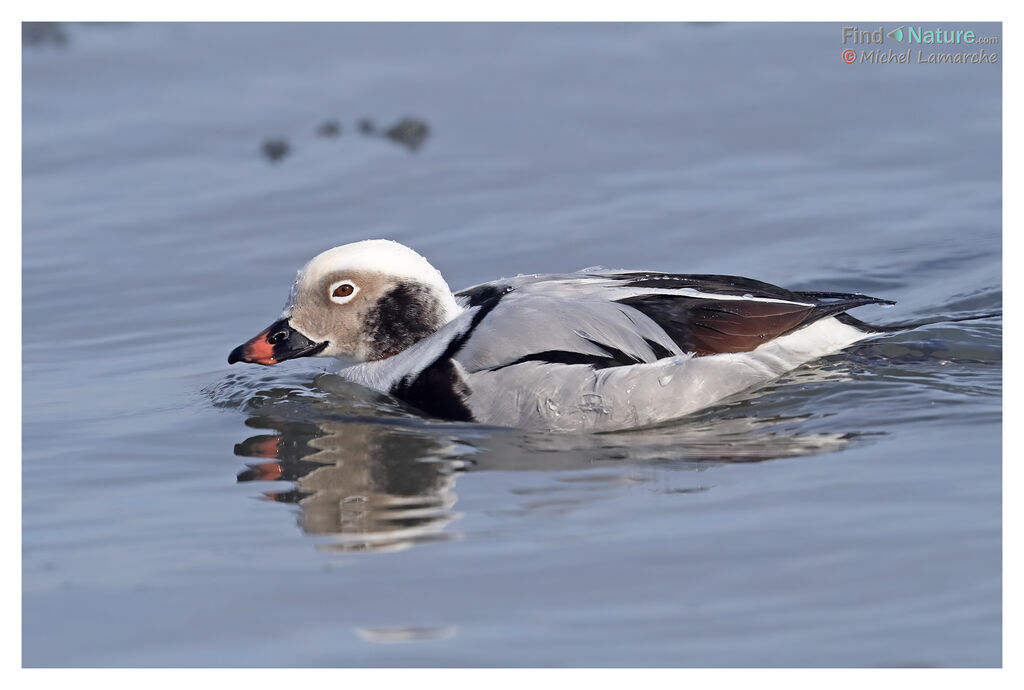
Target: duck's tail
900	327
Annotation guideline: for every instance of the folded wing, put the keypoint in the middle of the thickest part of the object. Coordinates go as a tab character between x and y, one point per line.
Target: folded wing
623	318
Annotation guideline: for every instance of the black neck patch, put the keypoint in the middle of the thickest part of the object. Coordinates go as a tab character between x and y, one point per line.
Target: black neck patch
401	318
439	389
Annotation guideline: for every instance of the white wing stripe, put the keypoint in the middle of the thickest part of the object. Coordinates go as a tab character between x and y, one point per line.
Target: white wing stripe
625	292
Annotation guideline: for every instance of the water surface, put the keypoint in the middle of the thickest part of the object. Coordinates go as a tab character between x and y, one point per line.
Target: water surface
178	512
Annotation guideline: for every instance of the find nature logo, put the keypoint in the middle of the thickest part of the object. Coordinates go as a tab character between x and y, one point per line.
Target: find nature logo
870	41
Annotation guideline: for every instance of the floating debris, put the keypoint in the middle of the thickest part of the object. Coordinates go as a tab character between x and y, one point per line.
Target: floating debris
41	33
276	149
407	634
409	132
329	129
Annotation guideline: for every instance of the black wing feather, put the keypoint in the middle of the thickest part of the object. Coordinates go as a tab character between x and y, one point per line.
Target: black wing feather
706	326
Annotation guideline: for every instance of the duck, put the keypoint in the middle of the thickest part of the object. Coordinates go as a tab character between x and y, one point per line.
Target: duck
590	351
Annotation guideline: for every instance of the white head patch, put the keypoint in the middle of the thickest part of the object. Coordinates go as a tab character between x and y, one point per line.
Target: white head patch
385	256
380	256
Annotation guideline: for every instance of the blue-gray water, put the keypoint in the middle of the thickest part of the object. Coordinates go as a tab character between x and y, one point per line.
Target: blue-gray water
180	512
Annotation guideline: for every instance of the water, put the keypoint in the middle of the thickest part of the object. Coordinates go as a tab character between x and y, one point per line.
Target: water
178	512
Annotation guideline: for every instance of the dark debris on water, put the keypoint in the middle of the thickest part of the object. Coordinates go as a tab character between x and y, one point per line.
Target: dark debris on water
329	129
43	33
408	132
275	149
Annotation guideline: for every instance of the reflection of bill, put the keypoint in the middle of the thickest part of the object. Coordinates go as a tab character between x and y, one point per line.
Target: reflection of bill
406	634
370	486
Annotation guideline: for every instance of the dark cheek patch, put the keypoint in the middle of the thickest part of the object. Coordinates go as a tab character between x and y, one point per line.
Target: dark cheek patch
401	318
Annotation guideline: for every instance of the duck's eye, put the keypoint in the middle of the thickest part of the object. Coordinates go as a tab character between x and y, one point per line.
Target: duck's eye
343	291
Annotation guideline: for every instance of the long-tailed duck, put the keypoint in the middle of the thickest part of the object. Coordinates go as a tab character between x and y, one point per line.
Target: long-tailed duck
589	351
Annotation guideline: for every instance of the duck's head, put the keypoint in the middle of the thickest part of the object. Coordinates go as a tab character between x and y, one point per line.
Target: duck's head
365	301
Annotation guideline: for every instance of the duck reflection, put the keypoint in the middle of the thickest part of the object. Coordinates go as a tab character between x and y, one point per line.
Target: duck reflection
369	474
374	477
371	486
